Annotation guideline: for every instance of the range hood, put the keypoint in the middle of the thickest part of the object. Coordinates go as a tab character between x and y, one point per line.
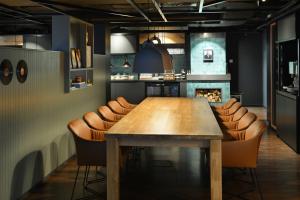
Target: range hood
152	58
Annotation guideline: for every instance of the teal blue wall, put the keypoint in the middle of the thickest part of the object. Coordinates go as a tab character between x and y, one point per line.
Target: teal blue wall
117	62
199	42
216	42
224	86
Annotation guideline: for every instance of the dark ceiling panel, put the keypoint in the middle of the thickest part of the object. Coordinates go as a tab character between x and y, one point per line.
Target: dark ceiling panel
227	13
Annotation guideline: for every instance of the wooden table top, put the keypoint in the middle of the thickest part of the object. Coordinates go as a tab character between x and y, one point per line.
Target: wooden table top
169	116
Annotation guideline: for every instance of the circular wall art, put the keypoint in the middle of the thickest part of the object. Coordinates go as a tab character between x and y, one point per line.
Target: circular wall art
6	72
22	71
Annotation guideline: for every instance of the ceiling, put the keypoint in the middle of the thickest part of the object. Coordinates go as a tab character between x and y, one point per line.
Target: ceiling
27	16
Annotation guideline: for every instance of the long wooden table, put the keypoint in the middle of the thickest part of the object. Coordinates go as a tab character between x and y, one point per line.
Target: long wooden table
163	121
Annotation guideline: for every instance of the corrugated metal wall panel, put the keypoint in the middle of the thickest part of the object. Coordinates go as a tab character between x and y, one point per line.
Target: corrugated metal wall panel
34	138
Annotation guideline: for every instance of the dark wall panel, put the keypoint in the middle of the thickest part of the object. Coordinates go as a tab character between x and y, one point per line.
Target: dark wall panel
133	91
34	138
232	57
266	67
250	69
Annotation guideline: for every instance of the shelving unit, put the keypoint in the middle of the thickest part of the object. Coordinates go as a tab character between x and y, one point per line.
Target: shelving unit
70	33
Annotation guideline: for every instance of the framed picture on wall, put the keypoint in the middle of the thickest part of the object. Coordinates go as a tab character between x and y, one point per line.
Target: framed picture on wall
208	55
73	58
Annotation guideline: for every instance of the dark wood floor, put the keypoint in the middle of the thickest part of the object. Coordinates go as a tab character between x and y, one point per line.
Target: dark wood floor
181	174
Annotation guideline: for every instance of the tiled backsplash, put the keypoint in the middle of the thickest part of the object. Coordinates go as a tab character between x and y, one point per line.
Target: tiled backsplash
198	44
117	62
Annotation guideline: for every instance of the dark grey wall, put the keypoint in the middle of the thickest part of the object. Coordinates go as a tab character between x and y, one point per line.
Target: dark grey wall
266	67
34	139
247	72
250	68
133	91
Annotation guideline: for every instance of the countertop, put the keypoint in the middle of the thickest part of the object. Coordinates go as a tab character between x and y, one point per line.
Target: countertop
159	81
163	81
287	94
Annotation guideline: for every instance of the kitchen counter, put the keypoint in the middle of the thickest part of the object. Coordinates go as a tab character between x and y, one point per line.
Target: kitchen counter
160	81
287	119
190	78
287	94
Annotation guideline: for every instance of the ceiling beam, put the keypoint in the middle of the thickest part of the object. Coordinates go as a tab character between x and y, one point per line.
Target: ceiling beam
50	7
52	4
159	10
21	18
289	8
136	7
178	12
201	6
10	9
213	3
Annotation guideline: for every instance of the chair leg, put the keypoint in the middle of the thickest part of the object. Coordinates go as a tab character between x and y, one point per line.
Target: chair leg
252	183
87	176
75	182
257	183
84	179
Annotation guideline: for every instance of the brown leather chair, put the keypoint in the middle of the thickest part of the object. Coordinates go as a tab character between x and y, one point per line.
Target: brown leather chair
107	114
117	108
123	102
230	111
243	153
234	117
227	105
241	124
90	149
95	121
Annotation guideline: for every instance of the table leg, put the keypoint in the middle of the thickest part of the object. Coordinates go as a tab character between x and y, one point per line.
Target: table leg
215	170
113	163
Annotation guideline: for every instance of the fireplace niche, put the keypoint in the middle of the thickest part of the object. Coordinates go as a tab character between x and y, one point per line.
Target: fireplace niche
213	95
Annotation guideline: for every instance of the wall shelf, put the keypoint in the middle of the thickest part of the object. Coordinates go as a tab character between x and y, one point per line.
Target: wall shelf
76	89
81	69
70	33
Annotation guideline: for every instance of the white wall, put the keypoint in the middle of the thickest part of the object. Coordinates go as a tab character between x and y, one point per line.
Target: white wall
122	43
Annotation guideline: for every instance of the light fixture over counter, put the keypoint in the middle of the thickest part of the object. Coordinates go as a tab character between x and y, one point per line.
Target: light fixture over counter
152	58
126	63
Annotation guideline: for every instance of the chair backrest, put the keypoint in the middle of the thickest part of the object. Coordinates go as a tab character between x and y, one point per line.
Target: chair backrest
107	114
255	130
229	103
254	134
80	129
234	108
246	121
123	102
239	114
94	120
117	108
243	153
89	152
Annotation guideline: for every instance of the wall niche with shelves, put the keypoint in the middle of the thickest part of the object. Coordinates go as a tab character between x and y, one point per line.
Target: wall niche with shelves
76	39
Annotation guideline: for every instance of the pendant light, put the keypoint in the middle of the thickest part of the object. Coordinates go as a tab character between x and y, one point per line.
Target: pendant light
152	58
126	63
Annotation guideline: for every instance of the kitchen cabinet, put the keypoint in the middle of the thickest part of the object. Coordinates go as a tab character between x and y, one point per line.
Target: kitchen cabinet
287	119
